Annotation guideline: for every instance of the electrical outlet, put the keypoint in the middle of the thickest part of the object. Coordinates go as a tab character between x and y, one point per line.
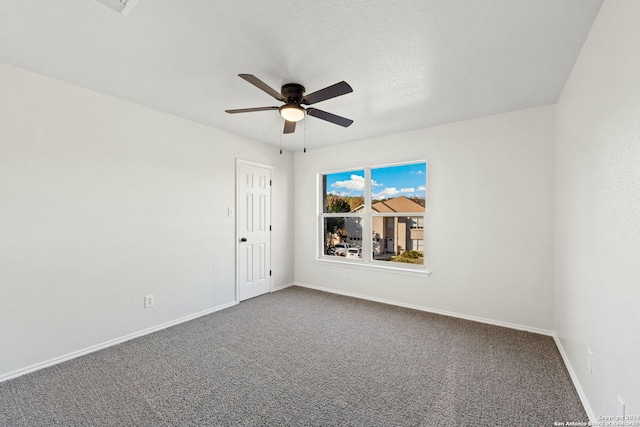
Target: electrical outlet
590	361
148	301
347	273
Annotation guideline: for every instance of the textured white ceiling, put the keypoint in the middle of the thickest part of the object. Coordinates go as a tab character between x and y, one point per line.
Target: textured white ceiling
411	63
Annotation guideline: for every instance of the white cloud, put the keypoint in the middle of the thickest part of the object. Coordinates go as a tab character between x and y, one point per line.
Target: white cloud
391	192
355	183
387	193
422	188
418	172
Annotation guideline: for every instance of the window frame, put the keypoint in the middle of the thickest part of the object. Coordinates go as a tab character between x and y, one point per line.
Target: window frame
367	260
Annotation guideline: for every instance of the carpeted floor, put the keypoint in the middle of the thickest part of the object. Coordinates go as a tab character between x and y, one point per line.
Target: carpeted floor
301	357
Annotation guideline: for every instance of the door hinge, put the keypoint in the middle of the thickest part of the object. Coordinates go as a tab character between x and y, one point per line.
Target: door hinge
269	228
270	183
269	272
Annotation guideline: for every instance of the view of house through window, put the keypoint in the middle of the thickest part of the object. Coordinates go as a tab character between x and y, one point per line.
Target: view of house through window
375	214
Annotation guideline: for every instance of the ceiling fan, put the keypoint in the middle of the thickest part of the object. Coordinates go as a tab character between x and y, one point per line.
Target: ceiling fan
292	94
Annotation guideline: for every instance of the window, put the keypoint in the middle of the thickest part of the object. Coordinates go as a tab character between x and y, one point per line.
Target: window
341	219
387	203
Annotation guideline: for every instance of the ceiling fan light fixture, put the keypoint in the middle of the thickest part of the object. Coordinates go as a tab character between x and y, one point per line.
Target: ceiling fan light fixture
292	112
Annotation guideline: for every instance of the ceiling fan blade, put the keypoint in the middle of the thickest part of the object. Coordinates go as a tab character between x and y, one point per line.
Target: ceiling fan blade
262	86
329	92
250	110
289	127
341	121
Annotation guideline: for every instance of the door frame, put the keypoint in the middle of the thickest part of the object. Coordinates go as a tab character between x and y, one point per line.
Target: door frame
237	231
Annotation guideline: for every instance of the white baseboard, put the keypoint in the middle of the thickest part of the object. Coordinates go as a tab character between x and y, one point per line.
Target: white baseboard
431	310
281	287
576	383
73	355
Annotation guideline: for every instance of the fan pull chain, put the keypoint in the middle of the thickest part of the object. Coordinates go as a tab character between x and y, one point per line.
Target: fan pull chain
280	133
305	137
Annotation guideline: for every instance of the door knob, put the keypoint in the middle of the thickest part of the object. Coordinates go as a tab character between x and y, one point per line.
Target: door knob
244	239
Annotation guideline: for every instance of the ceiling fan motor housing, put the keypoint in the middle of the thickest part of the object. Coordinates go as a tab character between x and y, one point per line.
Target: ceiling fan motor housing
292	93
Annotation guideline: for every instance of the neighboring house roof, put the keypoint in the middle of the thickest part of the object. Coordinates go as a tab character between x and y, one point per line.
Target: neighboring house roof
397	204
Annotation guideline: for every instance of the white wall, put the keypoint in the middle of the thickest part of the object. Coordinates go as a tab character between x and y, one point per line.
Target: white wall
489	227
103	202
598	211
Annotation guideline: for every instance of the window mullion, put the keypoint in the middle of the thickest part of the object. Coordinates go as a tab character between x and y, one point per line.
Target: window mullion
367	226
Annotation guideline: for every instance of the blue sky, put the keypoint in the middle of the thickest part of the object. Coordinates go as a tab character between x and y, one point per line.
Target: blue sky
389	182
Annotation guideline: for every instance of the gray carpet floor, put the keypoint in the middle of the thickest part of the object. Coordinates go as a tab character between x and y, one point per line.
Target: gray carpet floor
301	357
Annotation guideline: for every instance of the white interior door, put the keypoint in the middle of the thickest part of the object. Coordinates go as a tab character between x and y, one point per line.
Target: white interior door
253	213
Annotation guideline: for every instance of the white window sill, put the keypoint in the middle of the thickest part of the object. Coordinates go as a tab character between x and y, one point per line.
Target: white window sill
378	266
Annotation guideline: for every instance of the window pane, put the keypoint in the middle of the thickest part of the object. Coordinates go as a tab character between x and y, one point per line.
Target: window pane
342	233
343	191
398	239
399	188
